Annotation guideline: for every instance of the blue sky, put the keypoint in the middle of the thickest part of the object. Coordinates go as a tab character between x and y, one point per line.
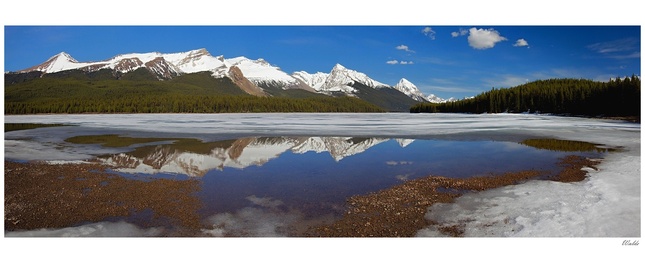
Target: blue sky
448	61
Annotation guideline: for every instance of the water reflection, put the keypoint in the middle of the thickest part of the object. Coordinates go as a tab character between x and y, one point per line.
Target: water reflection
403	159
274	186
241	153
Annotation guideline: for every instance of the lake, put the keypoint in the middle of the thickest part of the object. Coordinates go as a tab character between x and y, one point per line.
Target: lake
282	174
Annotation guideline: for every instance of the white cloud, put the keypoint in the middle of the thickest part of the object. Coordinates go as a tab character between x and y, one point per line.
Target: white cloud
428	32
506	80
394	62
448	88
620	45
521	43
404	48
484	38
631	55
512	81
625	48
462	32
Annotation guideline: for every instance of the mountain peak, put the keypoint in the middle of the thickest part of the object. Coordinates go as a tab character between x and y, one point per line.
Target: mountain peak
65	56
433	98
342	79
409	89
405	82
58	62
199	52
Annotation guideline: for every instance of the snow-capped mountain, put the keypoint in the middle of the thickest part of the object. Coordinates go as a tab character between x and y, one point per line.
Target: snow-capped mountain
59	62
341	79
252	76
433	98
314	81
409	89
262	73
197	61
166	66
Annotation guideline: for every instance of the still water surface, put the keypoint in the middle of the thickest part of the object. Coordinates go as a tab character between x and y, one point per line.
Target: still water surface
315	175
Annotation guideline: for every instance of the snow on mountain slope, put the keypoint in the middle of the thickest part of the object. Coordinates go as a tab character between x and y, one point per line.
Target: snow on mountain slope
162	68
409	89
258	72
341	79
433	98
261	72
314	81
59	62
195	61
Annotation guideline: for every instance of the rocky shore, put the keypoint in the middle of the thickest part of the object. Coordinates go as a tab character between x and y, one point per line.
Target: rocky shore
41	195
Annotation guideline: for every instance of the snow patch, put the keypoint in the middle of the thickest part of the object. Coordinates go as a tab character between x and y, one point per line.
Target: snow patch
606	204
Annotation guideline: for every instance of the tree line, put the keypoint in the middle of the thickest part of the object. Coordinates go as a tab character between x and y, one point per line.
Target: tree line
191	104
192	93
617	97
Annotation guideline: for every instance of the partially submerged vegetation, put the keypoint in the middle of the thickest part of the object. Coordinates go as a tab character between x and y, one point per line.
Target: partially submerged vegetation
112	140
27	126
564	145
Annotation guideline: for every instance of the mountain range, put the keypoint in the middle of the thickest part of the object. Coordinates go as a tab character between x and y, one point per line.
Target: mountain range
256	77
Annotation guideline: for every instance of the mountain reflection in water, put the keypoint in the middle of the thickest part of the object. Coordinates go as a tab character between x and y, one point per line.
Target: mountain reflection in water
240	153
401	159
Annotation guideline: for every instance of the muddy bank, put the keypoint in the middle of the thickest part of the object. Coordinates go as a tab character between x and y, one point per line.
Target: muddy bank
40	195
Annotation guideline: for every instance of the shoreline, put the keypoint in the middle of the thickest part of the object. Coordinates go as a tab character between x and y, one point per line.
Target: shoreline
630	119
41	195
399	211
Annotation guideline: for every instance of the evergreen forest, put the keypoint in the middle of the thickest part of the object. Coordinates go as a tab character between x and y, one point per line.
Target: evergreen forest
619	97
73	92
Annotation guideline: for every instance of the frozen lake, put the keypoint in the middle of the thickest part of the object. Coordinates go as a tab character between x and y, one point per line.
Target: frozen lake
270	172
